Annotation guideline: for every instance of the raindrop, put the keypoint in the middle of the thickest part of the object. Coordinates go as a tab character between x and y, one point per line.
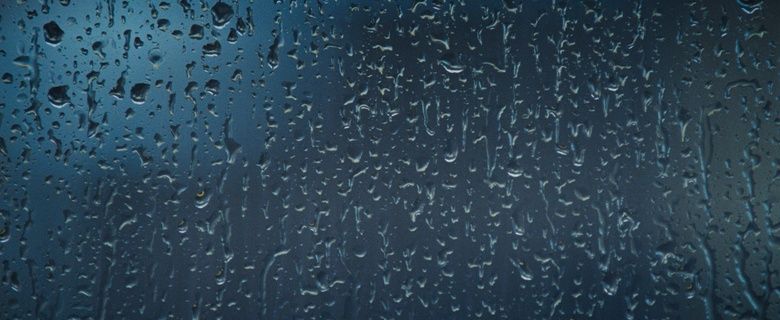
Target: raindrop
221	13
750	6
52	33
212	87
58	96
138	92
196	32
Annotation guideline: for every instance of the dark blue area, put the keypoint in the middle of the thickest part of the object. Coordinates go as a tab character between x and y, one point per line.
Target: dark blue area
389	160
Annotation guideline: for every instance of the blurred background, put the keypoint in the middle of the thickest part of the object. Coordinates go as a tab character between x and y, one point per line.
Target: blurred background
423	159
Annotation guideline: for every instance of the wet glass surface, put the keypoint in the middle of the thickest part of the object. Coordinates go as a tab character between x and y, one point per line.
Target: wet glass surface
427	159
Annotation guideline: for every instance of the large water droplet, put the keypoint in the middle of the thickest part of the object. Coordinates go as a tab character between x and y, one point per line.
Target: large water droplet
221	13
750	6
138	92
58	96
52	33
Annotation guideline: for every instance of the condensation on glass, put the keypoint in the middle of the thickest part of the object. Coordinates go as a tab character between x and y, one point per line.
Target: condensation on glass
427	159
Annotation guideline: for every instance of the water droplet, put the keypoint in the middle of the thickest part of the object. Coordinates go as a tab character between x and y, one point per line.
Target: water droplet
221	13
52	33
58	96
196	32
138	92
750	6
